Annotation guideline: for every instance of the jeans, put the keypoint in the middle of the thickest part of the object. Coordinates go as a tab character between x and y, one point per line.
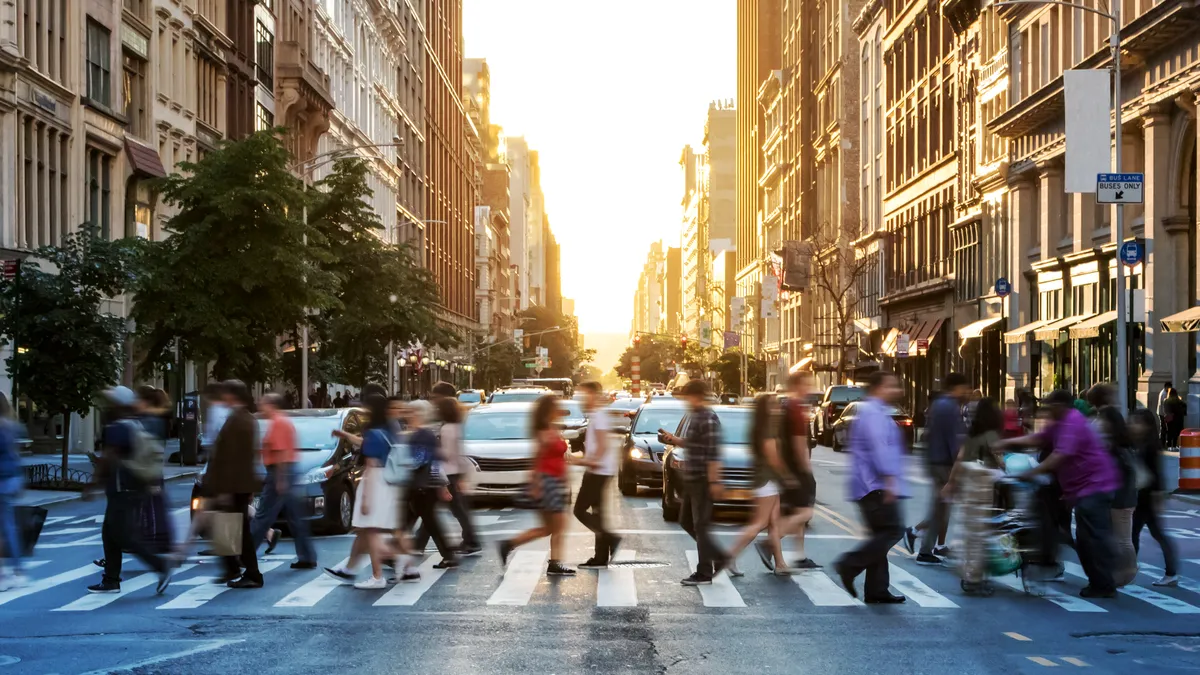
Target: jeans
695	517
249	557
1094	540
10	534
938	520
460	507
1146	515
885	527
423	504
273	502
589	510
122	531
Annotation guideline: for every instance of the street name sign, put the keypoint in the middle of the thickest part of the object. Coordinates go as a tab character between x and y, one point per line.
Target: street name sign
1119	188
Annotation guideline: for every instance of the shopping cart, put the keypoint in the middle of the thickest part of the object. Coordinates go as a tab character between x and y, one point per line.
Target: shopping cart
1001	530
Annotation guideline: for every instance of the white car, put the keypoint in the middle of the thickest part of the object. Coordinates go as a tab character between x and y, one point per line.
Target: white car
498	442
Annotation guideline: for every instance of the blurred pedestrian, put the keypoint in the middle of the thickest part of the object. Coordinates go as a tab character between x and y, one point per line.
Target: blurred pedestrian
231	481
340	400
876	484
1013	425
1175	413
1162	413
1115	434
702	480
448	430
1144	433
11	483
279	487
428	485
944	435
155	418
547	487
1088	477
601	462
968	404
768	472
123	438
214	416
798	484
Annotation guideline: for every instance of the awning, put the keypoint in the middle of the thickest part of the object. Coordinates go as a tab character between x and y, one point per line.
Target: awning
1017	335
1051	330
800	365
144	160
889	342
1186	321
975	329
928	330
1091	327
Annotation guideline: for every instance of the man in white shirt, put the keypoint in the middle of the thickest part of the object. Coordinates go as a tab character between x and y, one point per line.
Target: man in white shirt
215	417
601	463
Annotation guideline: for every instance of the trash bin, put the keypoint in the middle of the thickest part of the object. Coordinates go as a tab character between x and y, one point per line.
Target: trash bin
189	429
1189	460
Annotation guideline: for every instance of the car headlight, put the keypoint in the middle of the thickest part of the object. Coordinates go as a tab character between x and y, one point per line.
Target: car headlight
637	453
317	475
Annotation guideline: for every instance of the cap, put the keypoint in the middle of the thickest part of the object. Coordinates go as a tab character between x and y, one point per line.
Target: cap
122	396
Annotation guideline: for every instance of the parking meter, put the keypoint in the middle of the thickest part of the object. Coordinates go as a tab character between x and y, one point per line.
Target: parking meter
189	429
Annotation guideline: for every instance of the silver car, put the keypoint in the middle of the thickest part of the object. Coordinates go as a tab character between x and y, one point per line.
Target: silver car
498	441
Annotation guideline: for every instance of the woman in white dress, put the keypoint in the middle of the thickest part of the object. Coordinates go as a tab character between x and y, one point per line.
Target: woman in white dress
375	502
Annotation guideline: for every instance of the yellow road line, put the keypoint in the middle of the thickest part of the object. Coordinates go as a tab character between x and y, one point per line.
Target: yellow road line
1018	637
1042	661
1074	661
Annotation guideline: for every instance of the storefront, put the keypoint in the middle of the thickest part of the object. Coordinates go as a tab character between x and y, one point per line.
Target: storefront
924	364
982	356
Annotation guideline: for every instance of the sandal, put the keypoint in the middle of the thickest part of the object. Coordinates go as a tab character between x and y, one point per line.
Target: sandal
272	541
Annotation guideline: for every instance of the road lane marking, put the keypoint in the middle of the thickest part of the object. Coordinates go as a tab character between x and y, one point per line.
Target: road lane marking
1074	661
154	660
312	592
823	591
1042	661
57	519
1067	602
202	593
93	540
916	589
521	577
49	582
617	587
1018	637
407	594
31	564
69	530
722	592
97	600
1184	582
1164	602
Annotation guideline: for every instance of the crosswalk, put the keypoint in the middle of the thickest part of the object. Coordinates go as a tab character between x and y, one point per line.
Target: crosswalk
523	583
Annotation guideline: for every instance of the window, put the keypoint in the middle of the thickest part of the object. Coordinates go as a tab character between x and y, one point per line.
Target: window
138	8
99	191
264	63
136	117
263	119
99	64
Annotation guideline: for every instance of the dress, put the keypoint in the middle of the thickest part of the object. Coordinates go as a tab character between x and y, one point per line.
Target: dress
383	514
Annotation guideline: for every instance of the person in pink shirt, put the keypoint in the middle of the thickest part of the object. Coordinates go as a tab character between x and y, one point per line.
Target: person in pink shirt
279	459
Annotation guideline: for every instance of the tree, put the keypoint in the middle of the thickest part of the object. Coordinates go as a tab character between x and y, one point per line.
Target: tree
68	346
563	344
835	271
728	367
496	365
236	274
658	353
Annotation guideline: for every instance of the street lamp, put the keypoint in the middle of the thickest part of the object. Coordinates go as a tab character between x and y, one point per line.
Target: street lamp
1114	44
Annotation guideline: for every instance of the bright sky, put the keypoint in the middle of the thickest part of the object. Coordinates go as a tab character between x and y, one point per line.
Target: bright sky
608	93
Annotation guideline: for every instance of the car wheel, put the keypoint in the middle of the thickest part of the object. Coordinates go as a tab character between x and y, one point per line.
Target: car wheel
628	487
670	508
341	517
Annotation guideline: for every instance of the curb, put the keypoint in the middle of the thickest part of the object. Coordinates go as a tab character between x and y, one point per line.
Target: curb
1185	497
78	497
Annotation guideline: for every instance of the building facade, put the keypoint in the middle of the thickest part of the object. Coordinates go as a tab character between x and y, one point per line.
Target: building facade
670	285
646	299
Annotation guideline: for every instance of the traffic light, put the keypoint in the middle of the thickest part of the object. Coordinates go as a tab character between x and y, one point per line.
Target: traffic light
683	343
637	341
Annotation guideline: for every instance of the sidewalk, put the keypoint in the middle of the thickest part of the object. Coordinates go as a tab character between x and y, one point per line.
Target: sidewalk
84	463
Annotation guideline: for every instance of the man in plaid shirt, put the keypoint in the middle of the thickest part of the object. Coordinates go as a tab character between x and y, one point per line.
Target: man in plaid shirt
702	484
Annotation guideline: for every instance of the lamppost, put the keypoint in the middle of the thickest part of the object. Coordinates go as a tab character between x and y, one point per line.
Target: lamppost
1114	45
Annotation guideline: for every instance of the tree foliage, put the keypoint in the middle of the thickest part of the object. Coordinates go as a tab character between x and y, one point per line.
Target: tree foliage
69	345
728	367
837	269
563	345
496	366
658	353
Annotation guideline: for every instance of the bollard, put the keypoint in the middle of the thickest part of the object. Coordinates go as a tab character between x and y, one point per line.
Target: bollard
1189	460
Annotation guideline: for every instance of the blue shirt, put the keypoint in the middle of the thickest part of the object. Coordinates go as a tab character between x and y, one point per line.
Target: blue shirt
376	445
943	431
10	460
423	446
876	451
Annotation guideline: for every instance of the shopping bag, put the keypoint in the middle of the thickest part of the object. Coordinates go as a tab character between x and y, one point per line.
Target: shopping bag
225	532
30	520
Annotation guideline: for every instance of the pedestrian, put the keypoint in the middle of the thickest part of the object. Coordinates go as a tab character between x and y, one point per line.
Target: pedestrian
1114	433
944	435
1013	426
155	418
428	487
214	417
798	484
547	487
768	472
1162	413
448	430
702	480
339	401
1144	433
125	494
443	389
967	406
11	483
1175	413
601	462
1088	477
279	487
230	481
876	484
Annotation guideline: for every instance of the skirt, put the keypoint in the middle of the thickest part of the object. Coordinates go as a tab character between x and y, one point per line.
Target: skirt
384	499
556	494
768	489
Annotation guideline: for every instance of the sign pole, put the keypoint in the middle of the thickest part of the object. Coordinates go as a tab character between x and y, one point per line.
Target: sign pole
1122	347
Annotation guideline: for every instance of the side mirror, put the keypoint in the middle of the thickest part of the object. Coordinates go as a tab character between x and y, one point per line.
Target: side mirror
571	434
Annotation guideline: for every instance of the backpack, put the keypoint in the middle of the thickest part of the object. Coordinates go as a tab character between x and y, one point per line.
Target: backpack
398	468
146	452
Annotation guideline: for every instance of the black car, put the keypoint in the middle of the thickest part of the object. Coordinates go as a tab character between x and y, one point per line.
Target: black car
830	408
737	463
641	453
328	469
621	413
841	428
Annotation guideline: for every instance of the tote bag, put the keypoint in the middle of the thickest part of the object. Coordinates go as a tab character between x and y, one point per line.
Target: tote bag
226	532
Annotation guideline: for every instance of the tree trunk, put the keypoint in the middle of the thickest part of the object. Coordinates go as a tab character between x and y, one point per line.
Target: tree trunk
66	441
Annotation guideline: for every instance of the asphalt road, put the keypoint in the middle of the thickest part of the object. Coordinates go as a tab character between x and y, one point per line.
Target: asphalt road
638	619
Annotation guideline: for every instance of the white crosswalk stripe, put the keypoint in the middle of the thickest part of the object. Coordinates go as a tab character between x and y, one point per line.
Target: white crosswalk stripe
721	593
1164	602
1184	582
205	589
93	601
521	577
312	592
916	590
617	587
824	591
47	583
407	594
1067	602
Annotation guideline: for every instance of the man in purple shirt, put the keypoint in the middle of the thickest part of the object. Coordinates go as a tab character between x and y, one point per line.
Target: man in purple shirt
876	482
1088	477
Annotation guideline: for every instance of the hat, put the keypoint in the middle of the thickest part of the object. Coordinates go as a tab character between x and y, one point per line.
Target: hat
122	396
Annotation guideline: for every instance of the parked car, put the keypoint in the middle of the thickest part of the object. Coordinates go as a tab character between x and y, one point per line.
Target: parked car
328	469
469	398
841	428
621	413
833	402
574	421
737	465
641	453
498	441
518	394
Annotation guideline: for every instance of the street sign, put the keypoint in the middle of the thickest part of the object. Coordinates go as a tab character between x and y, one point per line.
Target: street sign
1119	188
922	345
531	365
1131	253
518	333
732	339
902	346
1003	287
11	267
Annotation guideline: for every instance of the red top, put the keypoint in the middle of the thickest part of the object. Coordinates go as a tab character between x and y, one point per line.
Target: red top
279	445
1012	424
551	458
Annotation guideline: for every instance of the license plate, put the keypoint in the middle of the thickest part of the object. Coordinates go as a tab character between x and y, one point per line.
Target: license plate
739	495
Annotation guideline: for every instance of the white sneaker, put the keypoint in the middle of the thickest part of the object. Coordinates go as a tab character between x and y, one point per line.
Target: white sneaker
1171	581
372	584
13	581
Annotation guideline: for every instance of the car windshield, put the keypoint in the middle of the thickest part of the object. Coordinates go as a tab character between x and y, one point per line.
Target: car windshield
624	405
735	425
496	427
846	394
312	433
655	417
470	397
573	408
516	396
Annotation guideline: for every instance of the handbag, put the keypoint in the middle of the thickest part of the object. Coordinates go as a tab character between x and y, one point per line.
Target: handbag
225	532
30	520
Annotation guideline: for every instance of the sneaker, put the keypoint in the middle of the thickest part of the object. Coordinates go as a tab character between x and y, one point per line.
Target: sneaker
164	580
942	552
805	564
450	564
593	564
371	584
505	550
340	574
304	565
910	541
765	555
697	579
105	587
1171	581
12	581
246	582
410	576
468	551
557	569
928	559
273	537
